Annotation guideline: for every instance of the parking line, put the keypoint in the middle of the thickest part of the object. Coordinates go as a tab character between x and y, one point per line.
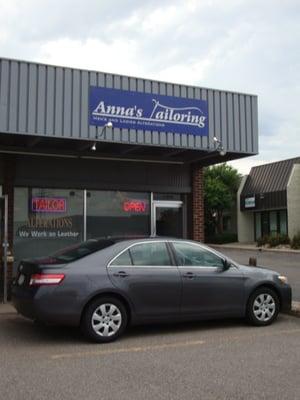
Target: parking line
127	350
269	333
166	346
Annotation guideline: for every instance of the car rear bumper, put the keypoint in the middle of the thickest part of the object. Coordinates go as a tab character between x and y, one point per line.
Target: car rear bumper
23	301
41	304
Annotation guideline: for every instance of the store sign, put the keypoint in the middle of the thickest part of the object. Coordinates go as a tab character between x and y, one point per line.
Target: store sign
48	204
135	206
250	202
147	111
49	228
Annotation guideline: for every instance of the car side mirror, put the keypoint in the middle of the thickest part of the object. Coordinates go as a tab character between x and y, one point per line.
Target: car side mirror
226	264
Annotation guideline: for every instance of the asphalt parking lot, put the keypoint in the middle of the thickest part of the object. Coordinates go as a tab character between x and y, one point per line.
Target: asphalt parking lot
204	360
287	263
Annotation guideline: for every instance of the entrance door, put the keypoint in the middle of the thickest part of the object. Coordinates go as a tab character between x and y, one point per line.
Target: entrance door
167	218
4	246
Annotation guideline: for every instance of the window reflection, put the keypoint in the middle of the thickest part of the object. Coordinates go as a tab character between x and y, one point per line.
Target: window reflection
46	220
116	213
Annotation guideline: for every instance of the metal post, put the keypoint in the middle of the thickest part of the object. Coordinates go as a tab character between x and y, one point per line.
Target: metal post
152	222
5	246
84	214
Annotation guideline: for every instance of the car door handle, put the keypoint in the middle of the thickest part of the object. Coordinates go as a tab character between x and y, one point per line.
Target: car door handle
189	275
121	274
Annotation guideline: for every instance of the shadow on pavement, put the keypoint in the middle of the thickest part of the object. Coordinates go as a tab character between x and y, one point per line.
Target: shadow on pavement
17	330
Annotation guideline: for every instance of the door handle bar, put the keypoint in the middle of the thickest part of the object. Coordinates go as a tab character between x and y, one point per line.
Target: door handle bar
121	274
189	275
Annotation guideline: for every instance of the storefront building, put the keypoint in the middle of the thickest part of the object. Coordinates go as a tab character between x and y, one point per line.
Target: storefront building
86	154
269	201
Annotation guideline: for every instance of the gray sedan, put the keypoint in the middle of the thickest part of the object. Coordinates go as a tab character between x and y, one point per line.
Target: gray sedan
103	285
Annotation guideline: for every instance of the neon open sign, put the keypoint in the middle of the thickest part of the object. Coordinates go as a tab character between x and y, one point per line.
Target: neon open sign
48	204
135	206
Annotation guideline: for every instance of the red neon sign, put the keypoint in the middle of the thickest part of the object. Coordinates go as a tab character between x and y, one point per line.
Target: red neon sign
49	204
136	206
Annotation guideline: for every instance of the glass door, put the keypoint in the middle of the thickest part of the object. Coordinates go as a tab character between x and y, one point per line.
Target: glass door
167	219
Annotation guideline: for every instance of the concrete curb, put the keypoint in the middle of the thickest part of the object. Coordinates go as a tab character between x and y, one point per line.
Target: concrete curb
7	308
252	248
295	311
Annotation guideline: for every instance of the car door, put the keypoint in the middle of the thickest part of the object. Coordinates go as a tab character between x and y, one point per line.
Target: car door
146	273
208	288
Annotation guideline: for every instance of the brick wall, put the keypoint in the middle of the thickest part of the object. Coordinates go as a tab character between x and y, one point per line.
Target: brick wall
198	203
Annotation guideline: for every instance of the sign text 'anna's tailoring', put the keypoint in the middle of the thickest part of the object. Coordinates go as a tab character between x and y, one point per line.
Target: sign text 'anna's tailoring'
147	111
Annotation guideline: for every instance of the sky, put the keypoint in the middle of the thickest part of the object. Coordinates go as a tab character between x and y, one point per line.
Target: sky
250	46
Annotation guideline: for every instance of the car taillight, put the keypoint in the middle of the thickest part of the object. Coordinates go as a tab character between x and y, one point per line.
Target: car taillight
46	279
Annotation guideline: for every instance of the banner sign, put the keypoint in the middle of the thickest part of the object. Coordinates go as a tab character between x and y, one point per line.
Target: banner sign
147	111
40	227
250	202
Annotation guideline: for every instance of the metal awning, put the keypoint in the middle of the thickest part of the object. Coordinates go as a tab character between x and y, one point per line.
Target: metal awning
82	148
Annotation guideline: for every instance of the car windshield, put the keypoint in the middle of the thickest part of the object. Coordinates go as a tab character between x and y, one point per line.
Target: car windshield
81	250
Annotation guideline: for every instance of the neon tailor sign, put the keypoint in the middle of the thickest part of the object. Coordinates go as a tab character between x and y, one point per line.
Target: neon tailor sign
147	111
135	206
48	204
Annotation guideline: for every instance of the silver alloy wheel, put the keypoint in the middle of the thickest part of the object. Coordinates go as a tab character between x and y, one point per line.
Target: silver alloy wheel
106	320
264	307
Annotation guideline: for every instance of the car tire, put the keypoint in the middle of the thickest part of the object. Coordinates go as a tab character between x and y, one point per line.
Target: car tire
104	320
263	307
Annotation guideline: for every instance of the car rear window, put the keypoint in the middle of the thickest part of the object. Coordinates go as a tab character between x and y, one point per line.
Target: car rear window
81	250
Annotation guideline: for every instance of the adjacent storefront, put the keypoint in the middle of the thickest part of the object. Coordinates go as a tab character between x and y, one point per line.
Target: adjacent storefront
86	154
269	199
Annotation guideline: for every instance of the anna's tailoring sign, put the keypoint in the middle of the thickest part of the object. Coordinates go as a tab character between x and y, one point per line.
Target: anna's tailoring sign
147	111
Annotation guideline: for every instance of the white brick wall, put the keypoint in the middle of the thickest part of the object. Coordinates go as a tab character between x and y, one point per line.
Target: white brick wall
293	201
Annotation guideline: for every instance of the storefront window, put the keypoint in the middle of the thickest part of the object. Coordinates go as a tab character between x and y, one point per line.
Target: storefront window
46	220
283	222
270	223
257	225
273	222
117	213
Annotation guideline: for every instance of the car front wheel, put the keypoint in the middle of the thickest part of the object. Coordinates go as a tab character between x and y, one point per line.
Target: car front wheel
104	320
263	307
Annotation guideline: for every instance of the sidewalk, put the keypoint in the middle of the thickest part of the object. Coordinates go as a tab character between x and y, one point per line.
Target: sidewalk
250	246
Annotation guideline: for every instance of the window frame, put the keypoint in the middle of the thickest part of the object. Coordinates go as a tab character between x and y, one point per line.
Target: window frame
172	255
204	248
119	255
165	242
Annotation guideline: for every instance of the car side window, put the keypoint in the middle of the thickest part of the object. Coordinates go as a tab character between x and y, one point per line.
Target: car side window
193	255
150	254
122	259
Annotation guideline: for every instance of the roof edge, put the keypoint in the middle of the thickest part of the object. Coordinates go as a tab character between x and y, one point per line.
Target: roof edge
127	76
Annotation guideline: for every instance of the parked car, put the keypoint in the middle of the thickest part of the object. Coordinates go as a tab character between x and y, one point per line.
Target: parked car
105	284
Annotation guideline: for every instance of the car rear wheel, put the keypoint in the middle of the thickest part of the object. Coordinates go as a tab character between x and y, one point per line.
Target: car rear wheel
263	307
104	320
